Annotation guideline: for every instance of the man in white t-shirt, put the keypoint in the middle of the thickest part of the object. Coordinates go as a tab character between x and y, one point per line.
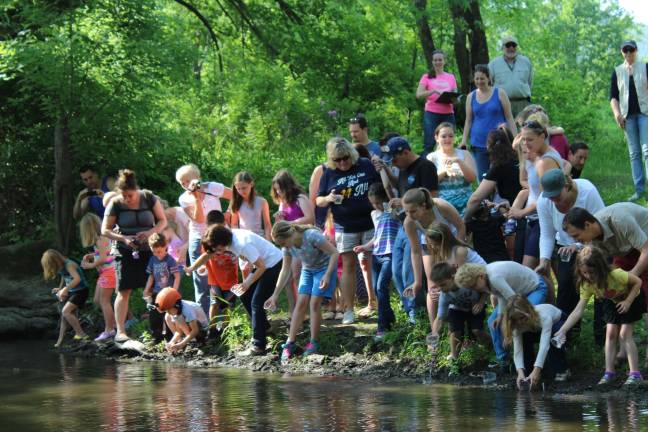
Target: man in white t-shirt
560	194
198	199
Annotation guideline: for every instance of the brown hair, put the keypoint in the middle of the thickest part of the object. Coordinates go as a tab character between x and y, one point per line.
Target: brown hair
157	240
52	262
237	199
443	241
288	185
126	180
518	315
419	197
597	265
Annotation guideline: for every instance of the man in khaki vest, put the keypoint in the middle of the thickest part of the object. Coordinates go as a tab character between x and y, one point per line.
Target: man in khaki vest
629	102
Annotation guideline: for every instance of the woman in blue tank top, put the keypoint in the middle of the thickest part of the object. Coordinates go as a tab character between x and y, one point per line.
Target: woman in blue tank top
486	108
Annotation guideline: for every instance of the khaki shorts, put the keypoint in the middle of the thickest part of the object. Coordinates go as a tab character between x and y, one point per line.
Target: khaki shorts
345	242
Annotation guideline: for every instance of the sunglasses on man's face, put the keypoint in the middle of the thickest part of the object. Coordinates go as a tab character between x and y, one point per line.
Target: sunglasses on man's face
341	159
511	45
628	49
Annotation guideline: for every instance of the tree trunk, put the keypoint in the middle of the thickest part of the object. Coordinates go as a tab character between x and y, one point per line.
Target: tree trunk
63	185
425	35
469	39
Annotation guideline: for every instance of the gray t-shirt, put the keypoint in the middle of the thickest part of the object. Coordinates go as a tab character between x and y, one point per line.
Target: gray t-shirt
312	257
507	278
461	299
625	227
132	221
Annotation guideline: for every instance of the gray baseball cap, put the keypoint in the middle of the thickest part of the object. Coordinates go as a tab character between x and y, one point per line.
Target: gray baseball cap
552	183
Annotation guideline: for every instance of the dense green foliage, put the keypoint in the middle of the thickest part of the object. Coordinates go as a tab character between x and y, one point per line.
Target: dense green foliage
142	86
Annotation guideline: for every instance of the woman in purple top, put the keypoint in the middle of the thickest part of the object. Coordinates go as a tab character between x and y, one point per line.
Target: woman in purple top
487	107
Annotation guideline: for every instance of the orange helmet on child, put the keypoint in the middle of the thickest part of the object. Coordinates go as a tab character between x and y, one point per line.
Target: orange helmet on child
167	298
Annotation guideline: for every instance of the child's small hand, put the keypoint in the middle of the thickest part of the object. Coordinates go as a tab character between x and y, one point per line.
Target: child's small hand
188	271
359	249
624	306
62	294
409	292
55	290
324	282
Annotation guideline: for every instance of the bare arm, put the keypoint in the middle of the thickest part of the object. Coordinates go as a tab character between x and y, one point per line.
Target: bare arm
202	259
483	191
468	122
468	168
574	317
422	93
284	275
267	224
306	208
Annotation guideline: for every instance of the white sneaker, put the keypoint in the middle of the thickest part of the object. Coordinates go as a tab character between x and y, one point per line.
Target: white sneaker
348	317
562	377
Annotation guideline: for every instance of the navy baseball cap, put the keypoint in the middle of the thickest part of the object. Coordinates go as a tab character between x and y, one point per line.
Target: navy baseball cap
395	145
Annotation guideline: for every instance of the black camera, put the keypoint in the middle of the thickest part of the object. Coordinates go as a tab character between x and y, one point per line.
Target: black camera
91	192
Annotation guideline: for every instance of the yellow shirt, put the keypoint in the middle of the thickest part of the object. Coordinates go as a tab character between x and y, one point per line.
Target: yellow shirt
617	289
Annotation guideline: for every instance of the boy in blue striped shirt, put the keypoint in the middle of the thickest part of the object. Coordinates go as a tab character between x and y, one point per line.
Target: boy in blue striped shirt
386	227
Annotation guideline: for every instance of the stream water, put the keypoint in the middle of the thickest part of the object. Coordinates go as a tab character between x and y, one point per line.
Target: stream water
41	390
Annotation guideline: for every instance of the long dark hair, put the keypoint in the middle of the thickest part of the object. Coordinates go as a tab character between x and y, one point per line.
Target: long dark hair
431	72
237	199
500	149
287	183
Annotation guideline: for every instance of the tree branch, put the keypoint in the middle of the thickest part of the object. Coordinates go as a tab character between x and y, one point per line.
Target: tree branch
208	26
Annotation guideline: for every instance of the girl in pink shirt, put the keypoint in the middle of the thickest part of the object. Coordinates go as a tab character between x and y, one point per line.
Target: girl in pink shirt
431	86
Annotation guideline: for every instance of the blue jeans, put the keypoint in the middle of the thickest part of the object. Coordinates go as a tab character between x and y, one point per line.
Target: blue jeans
430	122
480	154
253	300
402	268
201	286
636	132
382	276
538	296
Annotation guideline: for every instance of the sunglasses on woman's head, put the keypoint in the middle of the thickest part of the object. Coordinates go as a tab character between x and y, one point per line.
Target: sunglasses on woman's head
341	159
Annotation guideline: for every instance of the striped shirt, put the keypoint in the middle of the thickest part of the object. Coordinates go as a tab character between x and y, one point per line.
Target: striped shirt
385	236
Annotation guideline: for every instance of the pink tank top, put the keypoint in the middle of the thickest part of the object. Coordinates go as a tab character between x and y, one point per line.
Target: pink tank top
291	211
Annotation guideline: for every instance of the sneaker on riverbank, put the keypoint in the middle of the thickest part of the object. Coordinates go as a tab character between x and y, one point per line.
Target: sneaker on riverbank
634	378
105	336
288	352
251	351
607	379
311	348
563	377
348	317
328	315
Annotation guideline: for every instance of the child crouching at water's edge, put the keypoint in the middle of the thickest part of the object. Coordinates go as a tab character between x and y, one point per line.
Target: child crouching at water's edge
73	291
186	319
317	280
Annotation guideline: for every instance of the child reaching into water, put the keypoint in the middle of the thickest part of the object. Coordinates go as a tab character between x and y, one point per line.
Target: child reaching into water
73	291
317	281
525	324
186	319
460	307
623	305
381	245
103	262
163	272
222	275
249	210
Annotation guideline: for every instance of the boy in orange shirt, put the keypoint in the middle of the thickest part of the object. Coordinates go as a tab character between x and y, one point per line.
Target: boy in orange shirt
222	275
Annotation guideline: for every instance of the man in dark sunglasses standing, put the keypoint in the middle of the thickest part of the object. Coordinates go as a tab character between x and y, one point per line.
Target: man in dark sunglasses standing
629	102
514	73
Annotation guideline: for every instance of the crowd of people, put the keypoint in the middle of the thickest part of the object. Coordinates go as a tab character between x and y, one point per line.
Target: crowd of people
504	222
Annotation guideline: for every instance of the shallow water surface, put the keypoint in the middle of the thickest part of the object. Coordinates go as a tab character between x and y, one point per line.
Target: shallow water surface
41	390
